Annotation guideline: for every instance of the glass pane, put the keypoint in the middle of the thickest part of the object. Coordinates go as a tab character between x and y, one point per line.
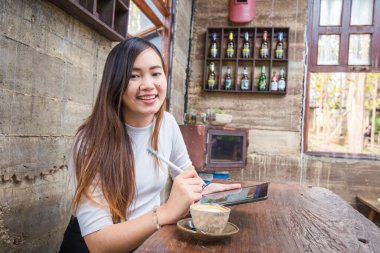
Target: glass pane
154	9
328	49
155	38
137	22
359	50
331	13
361	12
226	148
344	113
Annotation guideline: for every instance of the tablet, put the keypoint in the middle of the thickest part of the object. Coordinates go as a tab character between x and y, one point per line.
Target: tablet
238	196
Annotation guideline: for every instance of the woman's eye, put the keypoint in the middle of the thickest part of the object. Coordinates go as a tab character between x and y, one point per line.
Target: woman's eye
157	74
134	76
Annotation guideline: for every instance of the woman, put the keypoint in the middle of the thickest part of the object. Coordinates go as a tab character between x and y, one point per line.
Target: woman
117	183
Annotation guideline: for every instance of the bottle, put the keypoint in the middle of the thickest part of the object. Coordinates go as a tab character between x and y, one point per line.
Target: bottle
245	80
280	46
281	81
274	84
230	46
213	47
262	84
211	81
246	50
227	79
264	52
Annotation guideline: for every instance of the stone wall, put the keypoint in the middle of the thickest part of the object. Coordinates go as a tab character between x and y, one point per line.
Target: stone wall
50	68
275	122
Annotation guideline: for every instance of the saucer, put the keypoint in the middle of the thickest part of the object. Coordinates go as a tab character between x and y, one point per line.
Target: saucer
187	226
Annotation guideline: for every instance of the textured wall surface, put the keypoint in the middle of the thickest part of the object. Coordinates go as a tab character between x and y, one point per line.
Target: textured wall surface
180	57
50	68
275	122
182	22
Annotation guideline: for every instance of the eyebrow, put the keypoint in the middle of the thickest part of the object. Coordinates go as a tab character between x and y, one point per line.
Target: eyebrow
151	68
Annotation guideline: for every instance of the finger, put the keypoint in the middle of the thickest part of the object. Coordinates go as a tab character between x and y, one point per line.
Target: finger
189	173
235	186
194	171
195	188
193	181
196	197
191	167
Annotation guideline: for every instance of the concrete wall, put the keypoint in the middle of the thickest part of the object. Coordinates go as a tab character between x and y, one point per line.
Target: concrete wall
50	68
275	122
181	37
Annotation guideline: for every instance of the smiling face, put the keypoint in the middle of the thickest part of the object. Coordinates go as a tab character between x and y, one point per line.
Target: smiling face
146	89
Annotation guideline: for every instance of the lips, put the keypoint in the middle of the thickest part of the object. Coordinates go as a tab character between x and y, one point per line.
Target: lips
147	97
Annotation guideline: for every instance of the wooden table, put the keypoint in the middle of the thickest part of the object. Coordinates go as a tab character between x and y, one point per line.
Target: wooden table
293	219
372	200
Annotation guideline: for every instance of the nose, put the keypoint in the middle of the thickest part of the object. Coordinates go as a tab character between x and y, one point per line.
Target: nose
147	83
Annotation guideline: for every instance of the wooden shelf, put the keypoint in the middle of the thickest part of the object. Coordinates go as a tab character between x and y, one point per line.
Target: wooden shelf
253	62
109	18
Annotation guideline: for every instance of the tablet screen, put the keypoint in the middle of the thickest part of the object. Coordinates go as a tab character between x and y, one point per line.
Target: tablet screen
238	196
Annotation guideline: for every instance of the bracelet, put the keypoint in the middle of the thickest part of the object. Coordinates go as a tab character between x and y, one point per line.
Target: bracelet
155	218
205	184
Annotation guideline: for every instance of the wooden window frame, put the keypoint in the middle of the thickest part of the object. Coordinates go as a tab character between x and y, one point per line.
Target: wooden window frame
161	26
344	30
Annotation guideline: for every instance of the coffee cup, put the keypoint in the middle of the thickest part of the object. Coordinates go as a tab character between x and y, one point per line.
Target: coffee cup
209	218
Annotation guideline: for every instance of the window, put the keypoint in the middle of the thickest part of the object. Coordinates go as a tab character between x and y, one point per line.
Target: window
343	90
119	19
151	20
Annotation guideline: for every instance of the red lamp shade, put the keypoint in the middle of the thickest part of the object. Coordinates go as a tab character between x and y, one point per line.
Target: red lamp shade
242	11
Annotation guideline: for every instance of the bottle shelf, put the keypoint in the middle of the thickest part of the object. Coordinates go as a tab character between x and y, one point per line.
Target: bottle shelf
252	63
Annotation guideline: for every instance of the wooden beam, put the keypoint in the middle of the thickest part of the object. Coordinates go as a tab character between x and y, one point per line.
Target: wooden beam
161	7
144	7
147	32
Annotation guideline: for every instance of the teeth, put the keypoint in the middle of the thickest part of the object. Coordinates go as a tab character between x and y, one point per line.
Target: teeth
147	97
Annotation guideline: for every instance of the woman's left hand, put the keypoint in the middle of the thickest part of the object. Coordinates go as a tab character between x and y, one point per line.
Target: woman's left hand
216	187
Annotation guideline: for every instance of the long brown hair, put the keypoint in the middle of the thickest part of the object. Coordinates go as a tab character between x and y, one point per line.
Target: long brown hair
102	152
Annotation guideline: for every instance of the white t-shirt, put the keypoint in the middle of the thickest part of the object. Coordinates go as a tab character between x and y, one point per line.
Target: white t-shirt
150	179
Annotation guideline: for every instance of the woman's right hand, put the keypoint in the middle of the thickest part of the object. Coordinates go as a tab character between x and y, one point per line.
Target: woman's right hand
186	189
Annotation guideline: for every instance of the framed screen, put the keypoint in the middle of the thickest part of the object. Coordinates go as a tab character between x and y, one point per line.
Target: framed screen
226	148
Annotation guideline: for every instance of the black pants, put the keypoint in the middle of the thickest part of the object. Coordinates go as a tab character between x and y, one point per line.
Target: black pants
73	241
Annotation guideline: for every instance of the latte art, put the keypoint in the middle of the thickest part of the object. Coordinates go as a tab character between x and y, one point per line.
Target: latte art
210	208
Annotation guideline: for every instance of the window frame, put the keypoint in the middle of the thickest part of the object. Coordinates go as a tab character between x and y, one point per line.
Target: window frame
344	30
163	27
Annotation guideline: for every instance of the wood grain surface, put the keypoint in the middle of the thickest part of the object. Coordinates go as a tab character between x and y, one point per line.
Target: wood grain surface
293	219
